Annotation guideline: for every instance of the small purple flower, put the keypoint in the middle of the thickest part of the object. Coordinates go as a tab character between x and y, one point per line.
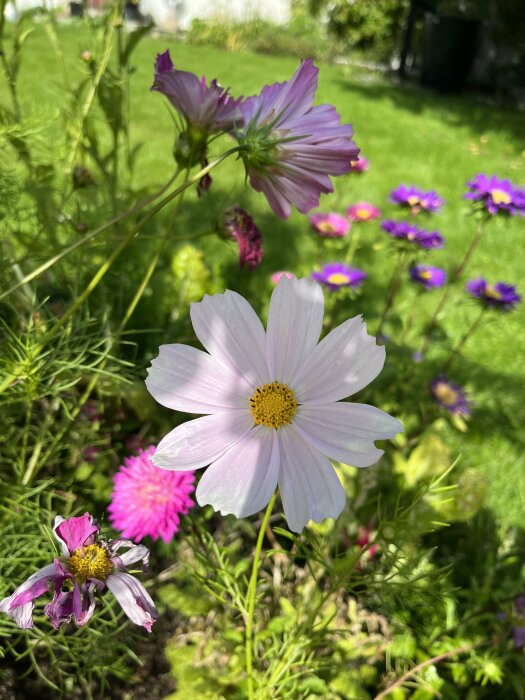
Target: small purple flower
496	196
330	225
450	396
404	231
291	147
499	296
417	200
360	165
336	275
363	211
429	276
241	227
86	566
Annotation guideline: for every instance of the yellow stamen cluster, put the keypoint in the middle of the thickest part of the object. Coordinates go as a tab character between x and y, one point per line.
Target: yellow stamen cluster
413	200
492	293
500	196
326	227
338	278
92	561
446	394
425	274
273	405
363	213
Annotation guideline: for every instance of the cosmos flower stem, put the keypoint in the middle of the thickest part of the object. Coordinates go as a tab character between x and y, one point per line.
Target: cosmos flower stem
251	594
472	247
352	249
459	347
393	289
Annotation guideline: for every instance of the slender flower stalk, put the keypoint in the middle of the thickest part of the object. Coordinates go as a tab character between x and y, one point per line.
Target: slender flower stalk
459	347
393	288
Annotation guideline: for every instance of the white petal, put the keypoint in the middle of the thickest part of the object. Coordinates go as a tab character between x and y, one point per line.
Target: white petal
295	320
232	333
33	587
135	553
199	442
344	362
187	379
308	483
346	431
244	479
133	598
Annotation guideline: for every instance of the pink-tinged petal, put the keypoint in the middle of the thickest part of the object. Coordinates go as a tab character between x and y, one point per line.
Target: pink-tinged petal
83	602
308	483
199	442
270	186
133	598
244	479
186	379
232	333
19	605
60	609
74	533
295	321
135	553
346	431
343	363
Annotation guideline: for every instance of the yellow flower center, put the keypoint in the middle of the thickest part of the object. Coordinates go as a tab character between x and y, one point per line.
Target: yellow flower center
326	227
363	214
273	405
92	561
338	278
500	196
446	394
413	200
492	293
425	274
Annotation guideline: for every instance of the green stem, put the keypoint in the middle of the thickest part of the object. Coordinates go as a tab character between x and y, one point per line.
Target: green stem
459	347
472	247
394	287
251	596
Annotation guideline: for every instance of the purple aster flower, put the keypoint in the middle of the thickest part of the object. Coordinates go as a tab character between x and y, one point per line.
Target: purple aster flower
430	276
290	146
417	200
330	225
402	230
85	566
240	226
496	196
147	500
360	165
336	275
450	396
363	211
499	296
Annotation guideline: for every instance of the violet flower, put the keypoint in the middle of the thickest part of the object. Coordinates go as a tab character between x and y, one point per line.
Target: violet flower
290	146
450	396
496	196
240	226
85	566
336	275
404	231
430	277
416	199
497	296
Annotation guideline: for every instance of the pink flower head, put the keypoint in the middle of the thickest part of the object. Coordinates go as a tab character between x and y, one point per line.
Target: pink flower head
330	225
363	211
241	227
85	566
360	165
277	276
291	147
147	500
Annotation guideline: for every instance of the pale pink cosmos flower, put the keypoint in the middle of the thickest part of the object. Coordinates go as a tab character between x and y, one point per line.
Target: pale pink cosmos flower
86	566
363	211
330	225
147	500
272	405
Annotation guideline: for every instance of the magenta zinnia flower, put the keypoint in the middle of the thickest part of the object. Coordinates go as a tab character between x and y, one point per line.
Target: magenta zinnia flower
416	199
147	500
85	566
336	275
495	195
240	226
430	277
290	146
363	211
330	225
499	296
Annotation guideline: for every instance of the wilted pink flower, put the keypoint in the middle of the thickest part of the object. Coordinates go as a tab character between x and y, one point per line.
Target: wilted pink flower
241	227
85	566
147	500
330	225
363	211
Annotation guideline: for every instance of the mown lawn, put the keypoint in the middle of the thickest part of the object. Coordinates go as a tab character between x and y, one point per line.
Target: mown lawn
409	135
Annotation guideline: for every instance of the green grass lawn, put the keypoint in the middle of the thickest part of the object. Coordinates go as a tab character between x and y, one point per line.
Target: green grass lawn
410	135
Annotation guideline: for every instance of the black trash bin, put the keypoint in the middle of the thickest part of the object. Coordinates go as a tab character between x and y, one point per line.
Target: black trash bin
450	45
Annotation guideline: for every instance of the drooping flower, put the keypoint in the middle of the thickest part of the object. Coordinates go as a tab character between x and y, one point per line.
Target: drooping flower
330	225
404	231
360	165
291	147
277	275
240	226
336	275
450	396
363	211
416	199
496	196
147	500
85	566
429	276
272	403
498	296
